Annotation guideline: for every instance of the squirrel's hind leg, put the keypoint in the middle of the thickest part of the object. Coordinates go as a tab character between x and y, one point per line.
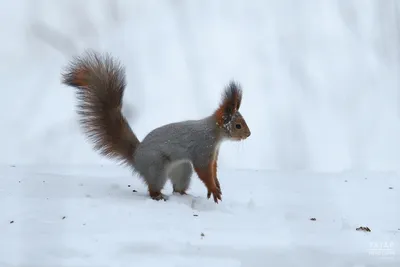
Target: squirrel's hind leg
156	183
180	177
154	174
152	167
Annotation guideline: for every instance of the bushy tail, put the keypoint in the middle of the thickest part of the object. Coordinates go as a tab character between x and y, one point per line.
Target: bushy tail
100	83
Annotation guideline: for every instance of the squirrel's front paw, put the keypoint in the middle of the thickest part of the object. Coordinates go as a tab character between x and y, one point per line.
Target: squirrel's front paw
218	188
216	192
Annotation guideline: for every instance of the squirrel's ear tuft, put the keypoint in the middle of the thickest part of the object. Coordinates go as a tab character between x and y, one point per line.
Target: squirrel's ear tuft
230	104
233	96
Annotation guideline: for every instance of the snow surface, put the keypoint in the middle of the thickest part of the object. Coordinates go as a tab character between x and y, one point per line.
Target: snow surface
90	216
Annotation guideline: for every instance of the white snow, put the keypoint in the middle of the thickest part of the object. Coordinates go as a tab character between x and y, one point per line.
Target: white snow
321	97
264	220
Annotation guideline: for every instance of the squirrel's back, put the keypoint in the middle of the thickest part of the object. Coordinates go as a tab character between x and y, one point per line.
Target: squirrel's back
183	140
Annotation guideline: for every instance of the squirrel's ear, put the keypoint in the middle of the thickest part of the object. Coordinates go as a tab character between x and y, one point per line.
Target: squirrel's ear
230	103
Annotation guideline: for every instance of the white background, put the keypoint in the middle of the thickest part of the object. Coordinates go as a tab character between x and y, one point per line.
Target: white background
319	77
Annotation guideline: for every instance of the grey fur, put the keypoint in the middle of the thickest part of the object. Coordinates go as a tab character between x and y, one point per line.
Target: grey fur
170	150
180	176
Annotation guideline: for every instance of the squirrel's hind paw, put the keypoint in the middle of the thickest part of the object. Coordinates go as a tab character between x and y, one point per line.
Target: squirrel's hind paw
158	196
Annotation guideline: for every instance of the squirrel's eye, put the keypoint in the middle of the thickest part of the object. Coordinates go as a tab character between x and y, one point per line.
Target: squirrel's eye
238	126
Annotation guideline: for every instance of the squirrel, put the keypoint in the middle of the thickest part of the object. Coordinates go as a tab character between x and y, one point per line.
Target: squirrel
169	151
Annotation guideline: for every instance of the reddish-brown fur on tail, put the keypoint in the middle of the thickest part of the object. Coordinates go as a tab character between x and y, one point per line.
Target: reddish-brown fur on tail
230	103
100	84
79	77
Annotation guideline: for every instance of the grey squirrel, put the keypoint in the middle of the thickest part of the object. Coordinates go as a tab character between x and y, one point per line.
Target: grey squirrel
172	150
